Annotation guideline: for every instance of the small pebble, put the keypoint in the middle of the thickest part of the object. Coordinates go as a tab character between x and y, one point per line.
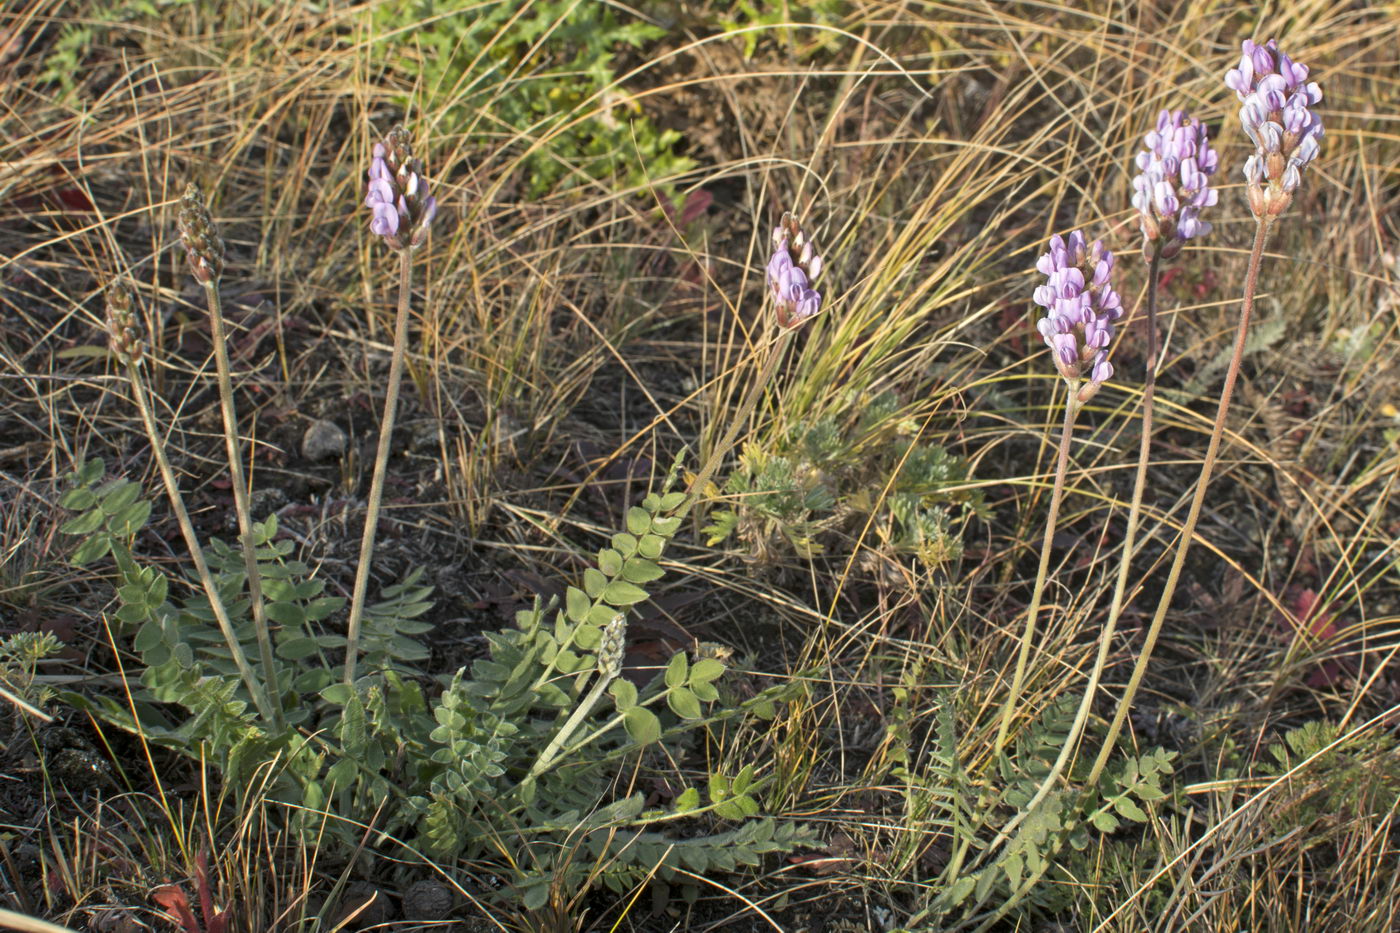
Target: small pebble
323	440
427	900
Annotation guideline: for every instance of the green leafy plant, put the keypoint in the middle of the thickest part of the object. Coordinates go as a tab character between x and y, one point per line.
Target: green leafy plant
520	755
824	478
1004	837
541	79
751	19
20	655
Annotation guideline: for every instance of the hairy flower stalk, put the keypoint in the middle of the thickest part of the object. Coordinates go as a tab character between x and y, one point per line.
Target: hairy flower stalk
611	647
205	250
402	211
793	267
1080	310
1169	192
125	339
1276	117
1276	113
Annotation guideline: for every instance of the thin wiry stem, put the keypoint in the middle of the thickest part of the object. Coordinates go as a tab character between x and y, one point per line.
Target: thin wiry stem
1188	530
241	504
775	353
177	505
1057	493
1129	537
381	464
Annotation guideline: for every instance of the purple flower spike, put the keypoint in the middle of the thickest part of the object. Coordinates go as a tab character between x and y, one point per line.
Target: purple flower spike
1080	310
1276	100
792	270
396	194
1173	183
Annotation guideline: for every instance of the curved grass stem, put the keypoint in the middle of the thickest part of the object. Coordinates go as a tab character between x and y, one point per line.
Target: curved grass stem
381	465
1188	530
775	353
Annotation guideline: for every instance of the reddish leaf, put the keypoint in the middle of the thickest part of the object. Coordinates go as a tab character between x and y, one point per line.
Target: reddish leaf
1314	622
173	899
214	921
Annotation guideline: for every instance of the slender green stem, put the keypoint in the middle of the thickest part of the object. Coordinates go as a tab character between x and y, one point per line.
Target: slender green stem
177	505
1056	494
241	505
1188	530
775	353
1125	563
381	465
580	712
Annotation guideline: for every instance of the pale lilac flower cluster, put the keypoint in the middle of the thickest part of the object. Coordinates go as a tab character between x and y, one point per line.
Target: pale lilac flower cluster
792	271
1173	183
1276	96
397	194
1080	310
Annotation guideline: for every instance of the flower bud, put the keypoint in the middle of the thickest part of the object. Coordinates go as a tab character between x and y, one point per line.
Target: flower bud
203	245
123	326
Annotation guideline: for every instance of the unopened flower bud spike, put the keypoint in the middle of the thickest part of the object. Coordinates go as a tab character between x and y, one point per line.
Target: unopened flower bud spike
205	250
125	338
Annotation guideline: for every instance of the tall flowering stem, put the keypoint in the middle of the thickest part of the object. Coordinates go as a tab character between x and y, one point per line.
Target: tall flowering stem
205	250
127	345
1170	191
1080	310
1276	116
793	268
402	211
